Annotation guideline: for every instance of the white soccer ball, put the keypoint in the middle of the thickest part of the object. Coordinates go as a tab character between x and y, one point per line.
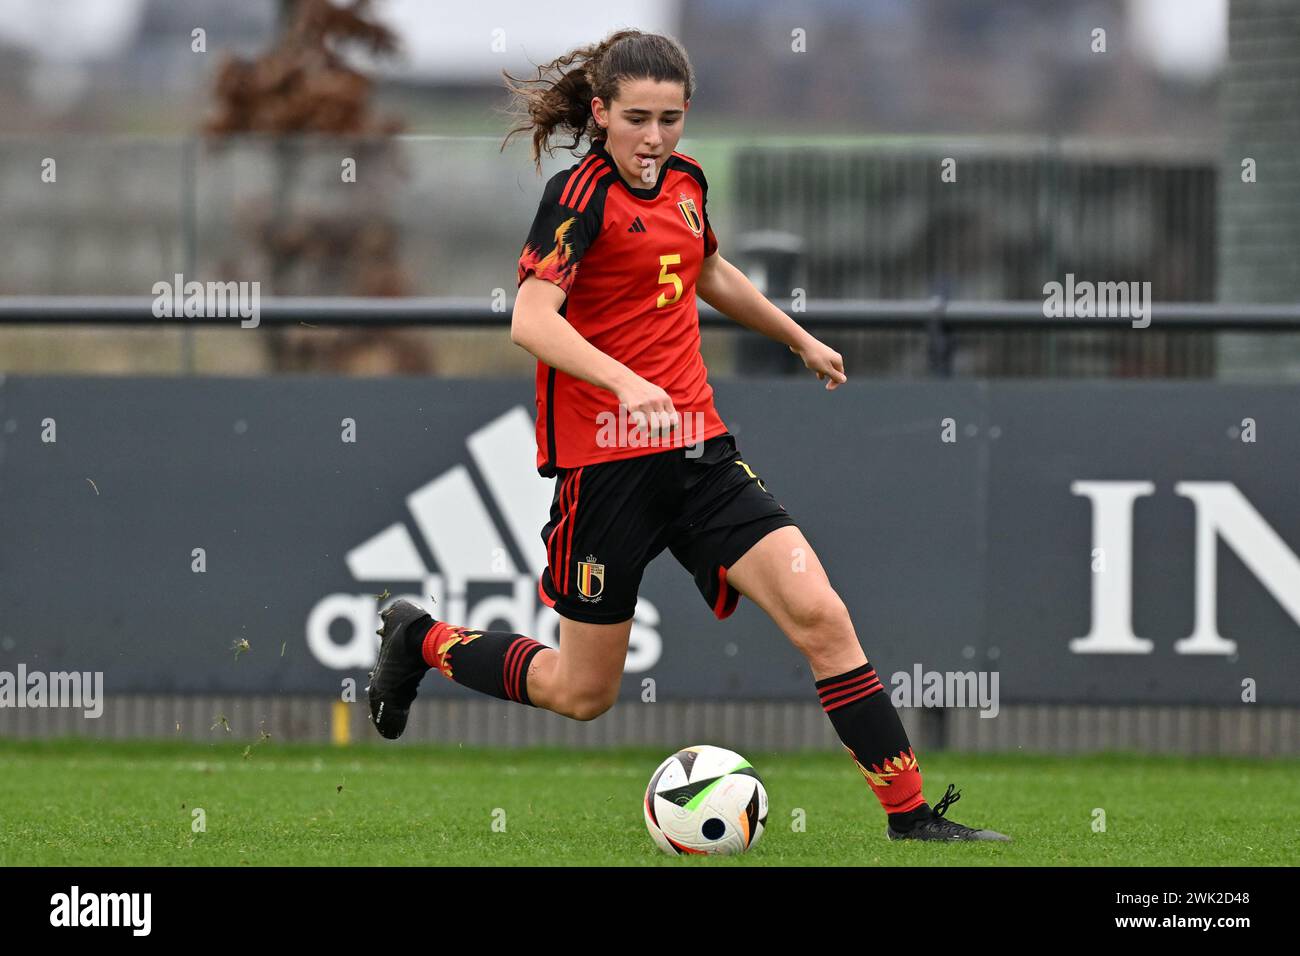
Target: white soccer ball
705	800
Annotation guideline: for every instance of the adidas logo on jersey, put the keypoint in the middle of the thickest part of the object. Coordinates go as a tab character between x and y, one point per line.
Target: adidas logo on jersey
637	226
465	532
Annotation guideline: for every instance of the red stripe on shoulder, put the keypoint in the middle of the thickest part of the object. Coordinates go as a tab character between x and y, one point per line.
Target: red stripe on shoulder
590	189
578	190
570	186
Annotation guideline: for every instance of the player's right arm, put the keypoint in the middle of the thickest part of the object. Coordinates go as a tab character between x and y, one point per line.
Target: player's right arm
568	221
537	326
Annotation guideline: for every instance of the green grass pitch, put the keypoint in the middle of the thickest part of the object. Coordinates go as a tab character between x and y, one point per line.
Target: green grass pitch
80	802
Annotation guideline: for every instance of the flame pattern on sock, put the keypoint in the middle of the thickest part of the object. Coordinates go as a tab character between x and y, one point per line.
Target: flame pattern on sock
896	781
440	640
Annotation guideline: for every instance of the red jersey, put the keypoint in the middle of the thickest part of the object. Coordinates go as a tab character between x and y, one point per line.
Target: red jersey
640	251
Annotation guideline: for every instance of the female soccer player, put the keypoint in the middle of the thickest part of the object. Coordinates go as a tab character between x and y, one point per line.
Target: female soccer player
627	426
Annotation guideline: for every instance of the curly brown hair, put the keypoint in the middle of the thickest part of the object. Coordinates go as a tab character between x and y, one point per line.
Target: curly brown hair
559	97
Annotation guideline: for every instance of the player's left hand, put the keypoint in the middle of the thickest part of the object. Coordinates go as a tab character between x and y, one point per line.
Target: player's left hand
825	361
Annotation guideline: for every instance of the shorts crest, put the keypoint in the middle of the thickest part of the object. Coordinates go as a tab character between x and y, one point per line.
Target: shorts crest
591	578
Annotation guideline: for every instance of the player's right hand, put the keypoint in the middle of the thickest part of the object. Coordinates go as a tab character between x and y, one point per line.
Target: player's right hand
649	409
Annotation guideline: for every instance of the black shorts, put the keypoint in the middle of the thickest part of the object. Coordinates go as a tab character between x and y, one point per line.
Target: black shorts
611	519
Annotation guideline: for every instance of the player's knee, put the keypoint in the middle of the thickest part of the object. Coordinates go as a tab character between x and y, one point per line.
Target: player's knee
588	705
588	709
821	615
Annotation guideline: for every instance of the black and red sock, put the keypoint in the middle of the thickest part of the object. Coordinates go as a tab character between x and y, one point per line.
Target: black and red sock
491	662
861	713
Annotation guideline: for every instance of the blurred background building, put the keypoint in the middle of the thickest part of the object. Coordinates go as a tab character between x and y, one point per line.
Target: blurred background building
1102	137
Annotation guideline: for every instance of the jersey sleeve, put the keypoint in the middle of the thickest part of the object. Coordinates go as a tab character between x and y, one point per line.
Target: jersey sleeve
559	237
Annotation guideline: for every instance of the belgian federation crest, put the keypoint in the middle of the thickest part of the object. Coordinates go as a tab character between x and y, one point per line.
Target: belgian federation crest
692	215
591	578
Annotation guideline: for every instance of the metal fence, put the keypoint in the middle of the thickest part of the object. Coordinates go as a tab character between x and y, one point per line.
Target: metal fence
986	222
906	223
879	338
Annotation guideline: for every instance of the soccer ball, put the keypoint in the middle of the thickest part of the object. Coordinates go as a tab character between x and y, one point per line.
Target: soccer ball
705	800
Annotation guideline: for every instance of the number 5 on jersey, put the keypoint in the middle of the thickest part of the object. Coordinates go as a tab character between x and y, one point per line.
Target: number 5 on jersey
675	259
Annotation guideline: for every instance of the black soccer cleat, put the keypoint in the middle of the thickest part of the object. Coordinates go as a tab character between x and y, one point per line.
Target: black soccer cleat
397	672
936	827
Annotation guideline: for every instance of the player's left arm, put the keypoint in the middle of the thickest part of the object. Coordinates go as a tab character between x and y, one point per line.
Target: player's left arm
729	290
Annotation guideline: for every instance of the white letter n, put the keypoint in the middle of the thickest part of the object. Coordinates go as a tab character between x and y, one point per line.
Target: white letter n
1222	510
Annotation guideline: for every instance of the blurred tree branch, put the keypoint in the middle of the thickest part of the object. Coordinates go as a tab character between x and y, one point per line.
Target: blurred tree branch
342	243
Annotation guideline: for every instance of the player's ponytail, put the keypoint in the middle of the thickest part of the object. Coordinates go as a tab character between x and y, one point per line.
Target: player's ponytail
558	99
